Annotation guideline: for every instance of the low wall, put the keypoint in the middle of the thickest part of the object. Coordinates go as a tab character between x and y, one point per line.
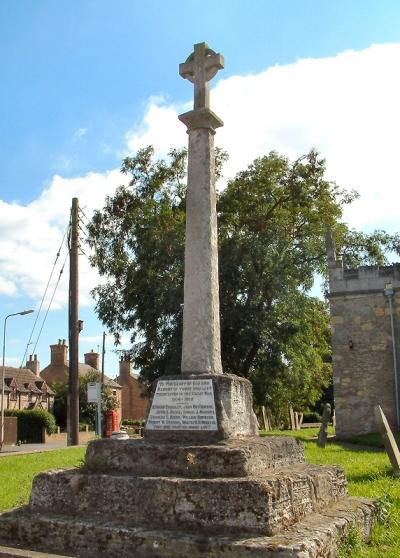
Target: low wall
62	436
10	430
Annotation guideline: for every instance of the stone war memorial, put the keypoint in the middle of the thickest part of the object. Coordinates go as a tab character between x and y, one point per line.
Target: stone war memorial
201	483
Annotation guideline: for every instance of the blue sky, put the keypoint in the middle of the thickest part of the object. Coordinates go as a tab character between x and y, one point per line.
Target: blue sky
85	82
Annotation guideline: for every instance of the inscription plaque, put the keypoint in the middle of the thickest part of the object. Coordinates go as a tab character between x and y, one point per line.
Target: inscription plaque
183	405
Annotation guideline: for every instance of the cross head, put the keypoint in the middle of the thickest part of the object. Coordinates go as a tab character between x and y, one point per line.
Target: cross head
200	68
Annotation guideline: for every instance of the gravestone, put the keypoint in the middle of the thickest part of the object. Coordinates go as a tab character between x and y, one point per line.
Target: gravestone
388	439
323	431
201	483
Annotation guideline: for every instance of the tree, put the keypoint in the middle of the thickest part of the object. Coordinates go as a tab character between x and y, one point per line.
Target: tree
87	411
273	218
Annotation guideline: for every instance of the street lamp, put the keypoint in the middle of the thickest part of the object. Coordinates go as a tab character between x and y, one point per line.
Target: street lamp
4	370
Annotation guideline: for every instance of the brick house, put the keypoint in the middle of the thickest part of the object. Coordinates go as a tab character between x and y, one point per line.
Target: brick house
135	402
25	389
58	369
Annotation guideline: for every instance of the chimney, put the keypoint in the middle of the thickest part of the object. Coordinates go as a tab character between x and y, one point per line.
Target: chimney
34	365
125	368
92	359
59	353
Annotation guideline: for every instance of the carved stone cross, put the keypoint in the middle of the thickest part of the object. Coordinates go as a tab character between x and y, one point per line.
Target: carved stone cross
200	67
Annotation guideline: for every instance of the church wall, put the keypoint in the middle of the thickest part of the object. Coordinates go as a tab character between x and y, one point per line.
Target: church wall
362	346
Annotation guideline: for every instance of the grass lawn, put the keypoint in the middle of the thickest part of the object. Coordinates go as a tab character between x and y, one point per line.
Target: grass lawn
369	475
17	472
368	472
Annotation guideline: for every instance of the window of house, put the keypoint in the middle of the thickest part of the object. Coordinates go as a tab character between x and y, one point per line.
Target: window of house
13	394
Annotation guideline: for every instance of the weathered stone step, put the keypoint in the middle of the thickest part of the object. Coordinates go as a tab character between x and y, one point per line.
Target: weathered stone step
257	505
316	536
235	458
10	552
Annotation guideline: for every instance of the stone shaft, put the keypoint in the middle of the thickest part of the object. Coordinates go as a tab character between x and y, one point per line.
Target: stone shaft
201	346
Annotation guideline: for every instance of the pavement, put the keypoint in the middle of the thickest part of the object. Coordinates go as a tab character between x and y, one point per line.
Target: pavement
32	448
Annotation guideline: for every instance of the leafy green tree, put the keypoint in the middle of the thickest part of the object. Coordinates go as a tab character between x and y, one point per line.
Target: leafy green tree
273	219
87	411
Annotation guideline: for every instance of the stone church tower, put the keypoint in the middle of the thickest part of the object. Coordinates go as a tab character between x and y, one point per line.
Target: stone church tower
365	314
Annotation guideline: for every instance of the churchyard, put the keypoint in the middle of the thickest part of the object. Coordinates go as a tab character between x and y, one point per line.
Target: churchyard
368	473
212	486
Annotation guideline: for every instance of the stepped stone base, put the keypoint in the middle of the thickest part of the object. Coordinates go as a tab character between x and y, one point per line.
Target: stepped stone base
254	505
242	498
12	552
316	536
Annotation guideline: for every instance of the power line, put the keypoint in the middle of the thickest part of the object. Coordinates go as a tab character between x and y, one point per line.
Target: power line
83	231
44	295
83	214
51	301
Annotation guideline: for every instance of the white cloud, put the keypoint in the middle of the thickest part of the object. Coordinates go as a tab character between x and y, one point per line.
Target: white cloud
7	287
31	235
160	127
79	133
346	106
12	361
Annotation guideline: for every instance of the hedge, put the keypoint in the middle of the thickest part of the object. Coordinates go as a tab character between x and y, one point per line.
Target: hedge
312	416
132	422
31	422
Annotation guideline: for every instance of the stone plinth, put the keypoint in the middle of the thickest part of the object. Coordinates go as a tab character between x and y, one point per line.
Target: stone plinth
246	457
235	418
252	505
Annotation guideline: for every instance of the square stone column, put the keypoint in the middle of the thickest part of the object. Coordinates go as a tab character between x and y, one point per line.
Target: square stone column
201	345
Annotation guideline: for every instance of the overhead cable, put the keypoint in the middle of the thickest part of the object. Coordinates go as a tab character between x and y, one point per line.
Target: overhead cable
51	301
44	296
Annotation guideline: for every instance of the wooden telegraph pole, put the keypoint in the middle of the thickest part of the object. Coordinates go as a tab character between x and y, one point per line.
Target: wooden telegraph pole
103	352
73	410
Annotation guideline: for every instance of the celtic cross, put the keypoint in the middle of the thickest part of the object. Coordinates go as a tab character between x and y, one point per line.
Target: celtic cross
200	67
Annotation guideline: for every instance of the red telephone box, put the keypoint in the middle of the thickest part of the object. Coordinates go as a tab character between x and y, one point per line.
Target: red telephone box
111	422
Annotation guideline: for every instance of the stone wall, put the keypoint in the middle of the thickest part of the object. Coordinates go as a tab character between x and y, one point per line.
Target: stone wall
362	345
58	436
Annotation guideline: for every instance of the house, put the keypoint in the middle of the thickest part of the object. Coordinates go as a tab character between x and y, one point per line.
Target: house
58	369
135	402
25	389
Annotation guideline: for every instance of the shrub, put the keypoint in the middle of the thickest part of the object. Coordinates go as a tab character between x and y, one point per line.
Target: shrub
87	411
31	422
132	422
312	417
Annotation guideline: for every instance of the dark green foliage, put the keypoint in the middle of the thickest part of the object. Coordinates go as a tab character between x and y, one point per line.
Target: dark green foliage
31	422
87	411
273	219
312	417
132	422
